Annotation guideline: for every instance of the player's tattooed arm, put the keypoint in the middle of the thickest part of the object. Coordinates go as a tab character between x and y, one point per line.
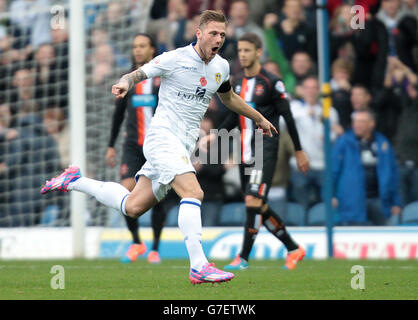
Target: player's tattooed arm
134	77
139	75
127	82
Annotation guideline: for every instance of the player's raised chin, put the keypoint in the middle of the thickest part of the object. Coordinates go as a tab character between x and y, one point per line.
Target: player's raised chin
210	39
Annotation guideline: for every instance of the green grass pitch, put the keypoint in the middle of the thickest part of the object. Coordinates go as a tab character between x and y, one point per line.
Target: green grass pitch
265	280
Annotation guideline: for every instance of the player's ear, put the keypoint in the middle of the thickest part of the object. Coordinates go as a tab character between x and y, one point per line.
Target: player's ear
198	33
259	52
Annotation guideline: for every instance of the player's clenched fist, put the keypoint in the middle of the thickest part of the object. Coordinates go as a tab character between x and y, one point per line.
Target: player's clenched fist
121	89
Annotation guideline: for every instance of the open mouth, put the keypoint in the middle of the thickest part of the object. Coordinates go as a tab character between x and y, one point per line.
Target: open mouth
215	50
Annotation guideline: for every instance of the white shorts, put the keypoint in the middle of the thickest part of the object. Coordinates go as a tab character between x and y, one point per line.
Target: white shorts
166	157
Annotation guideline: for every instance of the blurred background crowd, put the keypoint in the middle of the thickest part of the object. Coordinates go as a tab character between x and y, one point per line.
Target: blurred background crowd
373	69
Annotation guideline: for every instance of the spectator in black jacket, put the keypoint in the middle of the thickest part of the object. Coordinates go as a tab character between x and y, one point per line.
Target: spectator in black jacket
401	26
341	32
293	34
341	72
406	147
371	51
389	100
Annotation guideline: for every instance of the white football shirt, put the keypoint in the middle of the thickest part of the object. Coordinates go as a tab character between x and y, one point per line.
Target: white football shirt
187	85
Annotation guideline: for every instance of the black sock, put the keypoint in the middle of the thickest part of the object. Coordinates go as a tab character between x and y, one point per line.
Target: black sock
157	222
275	225
133	226
251	228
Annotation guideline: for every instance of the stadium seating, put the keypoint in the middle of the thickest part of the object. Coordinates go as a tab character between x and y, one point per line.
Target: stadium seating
50	216
232	214
394	220
210	213
410	214
115	219
278	205
172	217
317	215
207	207
295	214
145	219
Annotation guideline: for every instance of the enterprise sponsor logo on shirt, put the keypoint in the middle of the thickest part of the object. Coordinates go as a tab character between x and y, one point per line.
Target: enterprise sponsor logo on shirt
199	95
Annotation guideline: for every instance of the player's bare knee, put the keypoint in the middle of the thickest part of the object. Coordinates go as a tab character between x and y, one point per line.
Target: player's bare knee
199	194
134	210
195	194
251	201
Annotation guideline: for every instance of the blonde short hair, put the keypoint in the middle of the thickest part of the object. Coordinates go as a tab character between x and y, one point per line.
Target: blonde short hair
211	15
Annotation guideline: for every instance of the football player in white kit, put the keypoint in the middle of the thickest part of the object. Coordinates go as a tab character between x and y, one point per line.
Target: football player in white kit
190	76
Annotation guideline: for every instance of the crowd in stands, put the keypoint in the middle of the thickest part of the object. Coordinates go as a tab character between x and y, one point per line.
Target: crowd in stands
374	115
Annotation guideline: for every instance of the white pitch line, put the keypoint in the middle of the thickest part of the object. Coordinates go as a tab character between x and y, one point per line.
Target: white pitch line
391	267
186	267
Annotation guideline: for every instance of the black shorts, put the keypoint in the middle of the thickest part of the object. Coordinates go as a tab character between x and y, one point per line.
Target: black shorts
258	183
132	160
